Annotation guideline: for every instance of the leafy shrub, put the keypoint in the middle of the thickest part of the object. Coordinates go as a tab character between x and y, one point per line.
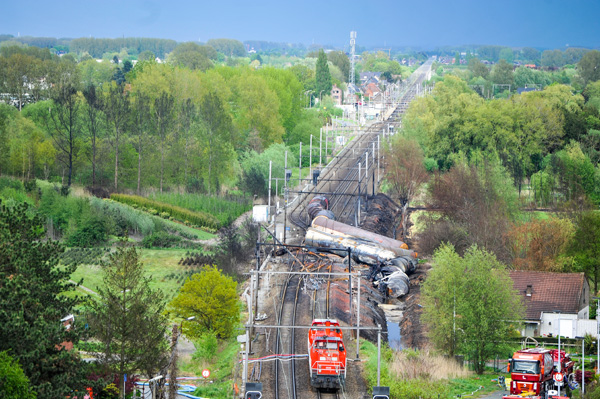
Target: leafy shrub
223	208
179	213
11	183
90	233
9	193
160	239
30	185
125	217
65	191
165	215
206	347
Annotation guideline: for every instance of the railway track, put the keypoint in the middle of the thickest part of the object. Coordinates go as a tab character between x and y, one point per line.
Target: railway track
342	184
285	377
328	395
342	180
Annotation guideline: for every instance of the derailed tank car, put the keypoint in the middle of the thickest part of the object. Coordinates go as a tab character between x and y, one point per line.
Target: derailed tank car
390	259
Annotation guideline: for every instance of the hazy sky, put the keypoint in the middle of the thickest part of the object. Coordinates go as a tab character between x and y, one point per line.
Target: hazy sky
429	23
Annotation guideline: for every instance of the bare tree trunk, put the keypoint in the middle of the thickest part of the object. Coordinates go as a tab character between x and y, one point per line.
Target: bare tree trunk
173	365
162	166
139	179
186	160
116	160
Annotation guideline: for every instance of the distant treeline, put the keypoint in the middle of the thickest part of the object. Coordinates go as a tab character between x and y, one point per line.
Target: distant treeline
43	42
555	58
134	45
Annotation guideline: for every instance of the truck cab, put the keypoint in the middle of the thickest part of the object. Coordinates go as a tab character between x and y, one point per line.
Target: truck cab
531	372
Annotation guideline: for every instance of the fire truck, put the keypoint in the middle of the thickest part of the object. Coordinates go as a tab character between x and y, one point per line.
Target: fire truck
534	372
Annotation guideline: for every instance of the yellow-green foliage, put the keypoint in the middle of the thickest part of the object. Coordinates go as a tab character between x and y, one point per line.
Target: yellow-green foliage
211	297
176	212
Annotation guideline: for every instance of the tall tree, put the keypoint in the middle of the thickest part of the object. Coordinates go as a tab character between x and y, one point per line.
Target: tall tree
589	66
538	244
163	117
405	170
322	75
187	116
219	151
193	56
14	384
93	119
32	304
469	304
64	120
502	73
478	68
477	204
340	60
585	246
228	47
128	318
140	113
116	109
211	297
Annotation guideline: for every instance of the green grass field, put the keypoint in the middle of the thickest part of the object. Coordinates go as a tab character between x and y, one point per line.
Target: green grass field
157	263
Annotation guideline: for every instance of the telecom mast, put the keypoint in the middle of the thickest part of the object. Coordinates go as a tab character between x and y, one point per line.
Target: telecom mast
352	50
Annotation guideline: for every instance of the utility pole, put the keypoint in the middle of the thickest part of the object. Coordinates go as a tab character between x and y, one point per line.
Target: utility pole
300	168
321	144
285	201
270	166
310	159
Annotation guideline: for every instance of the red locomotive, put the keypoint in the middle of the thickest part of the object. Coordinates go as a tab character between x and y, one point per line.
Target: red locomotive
326	354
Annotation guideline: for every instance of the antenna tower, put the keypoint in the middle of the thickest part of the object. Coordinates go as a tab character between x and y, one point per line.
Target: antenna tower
352	51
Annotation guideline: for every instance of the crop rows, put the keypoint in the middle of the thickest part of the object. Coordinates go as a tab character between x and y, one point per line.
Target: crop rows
167	210
83	256
224	209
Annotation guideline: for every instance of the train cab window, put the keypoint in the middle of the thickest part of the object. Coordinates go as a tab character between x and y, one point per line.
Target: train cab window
331	345
341	348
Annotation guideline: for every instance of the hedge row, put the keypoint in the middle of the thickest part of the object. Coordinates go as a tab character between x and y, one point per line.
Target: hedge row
184	215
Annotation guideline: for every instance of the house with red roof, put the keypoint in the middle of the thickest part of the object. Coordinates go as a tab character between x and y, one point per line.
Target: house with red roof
554	302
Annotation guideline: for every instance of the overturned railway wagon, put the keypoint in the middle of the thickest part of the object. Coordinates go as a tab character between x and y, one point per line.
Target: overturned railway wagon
390	259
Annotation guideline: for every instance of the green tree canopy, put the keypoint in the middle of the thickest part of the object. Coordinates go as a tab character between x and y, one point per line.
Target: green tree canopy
323	77
502	73
211	297
340	60
128	317
32	303
469	304
585	246
478	68
589	66
193	56
14	384
228	47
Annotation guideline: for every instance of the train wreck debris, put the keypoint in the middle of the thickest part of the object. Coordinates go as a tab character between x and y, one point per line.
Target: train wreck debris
390	259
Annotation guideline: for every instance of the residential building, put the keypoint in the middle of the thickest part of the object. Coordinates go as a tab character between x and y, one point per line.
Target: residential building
555	303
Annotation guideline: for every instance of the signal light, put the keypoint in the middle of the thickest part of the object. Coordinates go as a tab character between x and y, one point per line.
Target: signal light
381	392
253	390
315	176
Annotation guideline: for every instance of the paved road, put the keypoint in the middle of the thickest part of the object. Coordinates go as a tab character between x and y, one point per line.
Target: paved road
494	395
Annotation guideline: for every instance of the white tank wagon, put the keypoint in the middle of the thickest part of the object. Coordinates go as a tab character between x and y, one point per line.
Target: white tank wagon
390	259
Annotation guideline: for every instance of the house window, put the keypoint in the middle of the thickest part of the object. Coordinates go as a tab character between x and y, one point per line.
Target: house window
528	291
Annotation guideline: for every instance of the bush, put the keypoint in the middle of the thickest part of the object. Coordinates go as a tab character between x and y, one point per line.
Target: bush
160	240
90	233
207	346
179	213
11	183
